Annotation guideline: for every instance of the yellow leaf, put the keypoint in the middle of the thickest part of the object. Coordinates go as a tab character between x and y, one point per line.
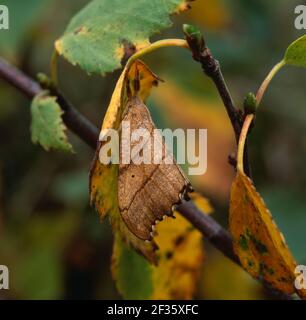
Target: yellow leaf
223	279
181	254
146	77
104	178
258	243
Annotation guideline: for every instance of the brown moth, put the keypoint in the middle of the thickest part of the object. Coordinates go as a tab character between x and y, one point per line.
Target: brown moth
147	192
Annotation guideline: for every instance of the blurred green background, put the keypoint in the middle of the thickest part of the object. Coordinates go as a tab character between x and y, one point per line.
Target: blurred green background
50	238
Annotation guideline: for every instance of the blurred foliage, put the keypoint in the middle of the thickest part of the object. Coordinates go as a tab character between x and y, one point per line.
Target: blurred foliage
222	279
50	238
23	18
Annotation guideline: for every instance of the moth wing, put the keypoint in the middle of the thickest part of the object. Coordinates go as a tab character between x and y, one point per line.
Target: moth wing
147	192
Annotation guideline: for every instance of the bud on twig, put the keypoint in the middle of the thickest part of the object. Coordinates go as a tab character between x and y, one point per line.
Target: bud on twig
250	103
195	39
45	82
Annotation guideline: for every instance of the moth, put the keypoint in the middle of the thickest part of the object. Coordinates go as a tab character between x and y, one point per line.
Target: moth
148	192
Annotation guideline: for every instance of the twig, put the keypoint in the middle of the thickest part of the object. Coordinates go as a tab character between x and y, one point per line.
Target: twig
82	127
18	79
212	230
74	120
211	67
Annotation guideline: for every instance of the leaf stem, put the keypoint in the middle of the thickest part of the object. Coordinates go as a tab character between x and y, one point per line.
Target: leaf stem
267	81
53	68
243	135
157	45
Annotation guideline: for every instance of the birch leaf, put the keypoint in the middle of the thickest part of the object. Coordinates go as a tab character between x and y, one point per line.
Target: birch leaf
48	128
296	53
97	38
131	272
257	241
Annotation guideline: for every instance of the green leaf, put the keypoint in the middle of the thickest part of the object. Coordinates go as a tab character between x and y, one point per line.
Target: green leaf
296	53
33	252
47	125
97	36
132	272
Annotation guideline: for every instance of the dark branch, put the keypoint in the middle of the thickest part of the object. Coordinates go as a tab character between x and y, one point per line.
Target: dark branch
212	230
18	79
75	121
211	67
